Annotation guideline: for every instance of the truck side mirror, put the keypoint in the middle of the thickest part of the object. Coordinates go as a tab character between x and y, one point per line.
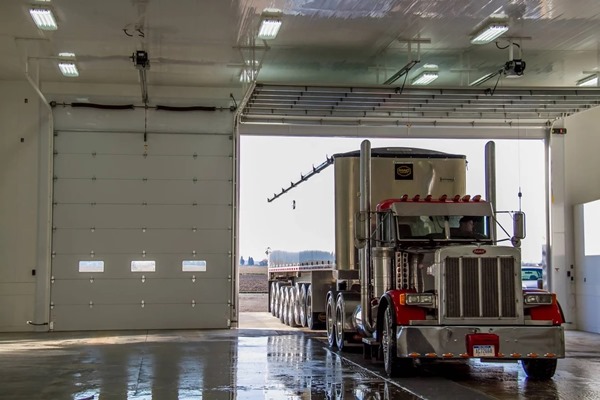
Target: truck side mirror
360	220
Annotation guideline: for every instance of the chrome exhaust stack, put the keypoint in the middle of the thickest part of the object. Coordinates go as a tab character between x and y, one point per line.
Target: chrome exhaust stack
366	320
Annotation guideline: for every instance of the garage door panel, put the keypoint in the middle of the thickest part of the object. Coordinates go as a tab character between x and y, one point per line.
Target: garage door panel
82	142
161	192
113	203
133	143
137	241
201	217
133	291
118	266
157	316
128	167
202	145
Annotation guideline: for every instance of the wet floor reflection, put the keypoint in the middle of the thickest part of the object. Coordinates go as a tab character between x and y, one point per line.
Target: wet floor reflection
249	365
220	365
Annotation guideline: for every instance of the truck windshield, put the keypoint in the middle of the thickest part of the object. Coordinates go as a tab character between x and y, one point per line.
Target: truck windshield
433	227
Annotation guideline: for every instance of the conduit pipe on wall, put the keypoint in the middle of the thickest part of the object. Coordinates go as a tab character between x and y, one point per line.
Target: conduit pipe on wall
44	232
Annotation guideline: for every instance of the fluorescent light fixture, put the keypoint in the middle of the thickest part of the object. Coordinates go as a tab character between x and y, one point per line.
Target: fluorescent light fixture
428	74
483	79
591	80
66	55
43	18
246	75
68	69
490	29
270	22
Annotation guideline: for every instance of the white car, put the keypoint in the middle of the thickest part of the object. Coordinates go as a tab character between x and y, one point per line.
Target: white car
530	277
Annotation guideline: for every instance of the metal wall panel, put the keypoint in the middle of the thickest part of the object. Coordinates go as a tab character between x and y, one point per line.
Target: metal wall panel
118	199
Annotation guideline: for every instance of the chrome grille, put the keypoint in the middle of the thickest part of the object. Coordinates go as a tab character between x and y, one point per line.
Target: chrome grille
480	287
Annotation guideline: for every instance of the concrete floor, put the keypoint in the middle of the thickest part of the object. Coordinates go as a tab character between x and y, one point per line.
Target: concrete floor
262	359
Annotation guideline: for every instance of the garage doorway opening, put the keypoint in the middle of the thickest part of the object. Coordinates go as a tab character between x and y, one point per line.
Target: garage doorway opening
303	218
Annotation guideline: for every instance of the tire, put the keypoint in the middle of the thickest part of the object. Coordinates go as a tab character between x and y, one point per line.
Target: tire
289	319
272	297
539	369
302	304
297	291
388	344
277	300
310	320
281	308
285	311
340	334
330	321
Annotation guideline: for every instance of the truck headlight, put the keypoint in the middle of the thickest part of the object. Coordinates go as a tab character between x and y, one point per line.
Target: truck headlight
419	299
538	298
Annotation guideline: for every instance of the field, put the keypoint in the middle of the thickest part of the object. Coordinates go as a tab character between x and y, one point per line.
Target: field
253	289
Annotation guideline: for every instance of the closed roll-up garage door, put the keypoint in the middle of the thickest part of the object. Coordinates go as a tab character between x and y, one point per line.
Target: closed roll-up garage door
142	231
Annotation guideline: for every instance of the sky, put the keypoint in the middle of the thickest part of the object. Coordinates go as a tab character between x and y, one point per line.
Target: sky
268	164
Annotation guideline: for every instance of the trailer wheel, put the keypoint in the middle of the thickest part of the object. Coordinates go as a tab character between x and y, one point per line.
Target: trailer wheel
273	297
302	304
310	320
541	369
285	309
297	299
289	316
330	321
281	301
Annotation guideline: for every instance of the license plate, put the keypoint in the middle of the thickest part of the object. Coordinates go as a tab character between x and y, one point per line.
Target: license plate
480	350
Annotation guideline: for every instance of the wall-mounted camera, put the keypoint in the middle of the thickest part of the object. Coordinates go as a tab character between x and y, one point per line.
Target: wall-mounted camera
514	68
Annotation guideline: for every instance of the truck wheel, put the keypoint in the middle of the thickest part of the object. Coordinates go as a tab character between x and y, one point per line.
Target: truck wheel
388	344
541	369
310	320
330	321
340	335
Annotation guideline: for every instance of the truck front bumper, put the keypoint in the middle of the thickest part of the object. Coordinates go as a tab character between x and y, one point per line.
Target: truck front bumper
514	342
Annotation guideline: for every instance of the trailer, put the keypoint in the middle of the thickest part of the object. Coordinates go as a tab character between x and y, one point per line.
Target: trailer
418	272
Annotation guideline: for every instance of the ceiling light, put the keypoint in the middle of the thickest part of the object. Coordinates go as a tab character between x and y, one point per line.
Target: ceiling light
68	69
591	80
66	55
43	18
270	22
428	74
490	29
246	75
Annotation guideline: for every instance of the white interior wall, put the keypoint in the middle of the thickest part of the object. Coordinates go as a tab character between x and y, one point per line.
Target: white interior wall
582	164
24	193
19	185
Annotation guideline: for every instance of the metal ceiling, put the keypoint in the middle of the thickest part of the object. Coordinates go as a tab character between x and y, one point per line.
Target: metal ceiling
200	44
389	106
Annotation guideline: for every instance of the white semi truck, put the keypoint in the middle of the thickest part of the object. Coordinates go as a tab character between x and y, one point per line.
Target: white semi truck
407	283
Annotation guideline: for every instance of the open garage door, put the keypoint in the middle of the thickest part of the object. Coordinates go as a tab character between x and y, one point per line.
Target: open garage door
142	230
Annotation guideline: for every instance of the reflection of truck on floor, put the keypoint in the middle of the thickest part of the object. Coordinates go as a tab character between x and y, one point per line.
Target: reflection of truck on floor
407	282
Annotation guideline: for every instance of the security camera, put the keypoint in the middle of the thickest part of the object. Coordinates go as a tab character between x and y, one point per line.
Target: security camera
514	68
141	60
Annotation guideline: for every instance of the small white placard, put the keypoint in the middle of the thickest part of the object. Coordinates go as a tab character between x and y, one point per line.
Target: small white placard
193	266
91	266
143	266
